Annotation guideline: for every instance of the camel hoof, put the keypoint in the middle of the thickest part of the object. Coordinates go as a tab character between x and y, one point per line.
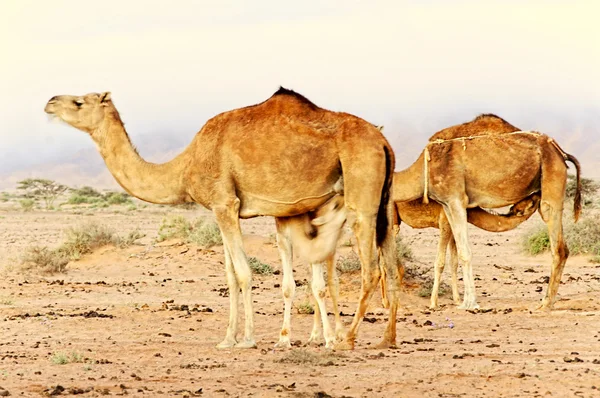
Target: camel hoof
344	345
330	344
283	344
315	339
246	344
226	344
385	344
472	305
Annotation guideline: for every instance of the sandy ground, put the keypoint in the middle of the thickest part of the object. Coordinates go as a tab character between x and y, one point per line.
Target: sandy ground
143	321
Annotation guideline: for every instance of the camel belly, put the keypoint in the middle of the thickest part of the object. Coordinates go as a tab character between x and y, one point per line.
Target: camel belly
253	206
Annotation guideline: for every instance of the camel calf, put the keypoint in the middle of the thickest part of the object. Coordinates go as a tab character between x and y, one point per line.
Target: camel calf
314	237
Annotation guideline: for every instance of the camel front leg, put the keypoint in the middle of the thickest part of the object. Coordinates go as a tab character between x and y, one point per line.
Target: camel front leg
440	261
319	292
334	291
227	217
456	213
234	294
288	286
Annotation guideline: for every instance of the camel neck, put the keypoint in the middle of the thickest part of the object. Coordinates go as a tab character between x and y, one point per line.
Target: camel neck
155	183
409	183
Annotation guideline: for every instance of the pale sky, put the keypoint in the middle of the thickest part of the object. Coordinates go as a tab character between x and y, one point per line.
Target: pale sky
413	66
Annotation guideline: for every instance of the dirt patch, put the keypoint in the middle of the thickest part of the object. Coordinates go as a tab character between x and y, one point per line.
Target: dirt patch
144	321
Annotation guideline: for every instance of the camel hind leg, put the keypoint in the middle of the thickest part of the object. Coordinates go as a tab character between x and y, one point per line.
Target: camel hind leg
551	210
440	261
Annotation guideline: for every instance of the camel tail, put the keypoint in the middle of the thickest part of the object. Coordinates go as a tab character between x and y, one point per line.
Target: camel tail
382	215
577	200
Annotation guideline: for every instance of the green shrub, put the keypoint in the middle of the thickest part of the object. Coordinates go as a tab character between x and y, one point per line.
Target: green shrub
27	204
582	237
201	232
76	199
174	227
205	233
258	267
117	198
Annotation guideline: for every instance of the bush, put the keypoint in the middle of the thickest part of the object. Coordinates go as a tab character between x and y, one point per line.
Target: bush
403	251
76	199
258	267
87	191
80	241
27	204
174	227
44	260
582	237
348	263
201	232
117	198
86	238
589	187
205	233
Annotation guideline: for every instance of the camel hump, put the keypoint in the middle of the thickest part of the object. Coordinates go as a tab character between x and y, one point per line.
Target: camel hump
484	124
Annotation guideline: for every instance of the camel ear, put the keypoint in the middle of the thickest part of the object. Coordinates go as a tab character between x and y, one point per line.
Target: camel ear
105	97
380	128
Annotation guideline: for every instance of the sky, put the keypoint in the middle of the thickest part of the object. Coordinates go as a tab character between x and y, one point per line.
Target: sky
413	66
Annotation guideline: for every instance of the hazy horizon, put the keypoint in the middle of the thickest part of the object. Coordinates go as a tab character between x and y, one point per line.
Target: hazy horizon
413	66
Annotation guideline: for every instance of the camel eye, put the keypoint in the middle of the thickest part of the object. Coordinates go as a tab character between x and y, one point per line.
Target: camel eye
79	103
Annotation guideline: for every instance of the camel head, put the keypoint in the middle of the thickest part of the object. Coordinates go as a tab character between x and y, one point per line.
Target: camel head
86	112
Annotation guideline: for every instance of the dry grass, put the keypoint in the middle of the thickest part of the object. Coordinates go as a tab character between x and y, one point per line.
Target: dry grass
201	231
79	241
348	263
305	357
43	260
258	267
403	250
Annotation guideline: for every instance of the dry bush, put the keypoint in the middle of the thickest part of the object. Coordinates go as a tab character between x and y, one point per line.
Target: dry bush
79	241
403	250
44	260
582	237
258	267
27	204
201	232
348	263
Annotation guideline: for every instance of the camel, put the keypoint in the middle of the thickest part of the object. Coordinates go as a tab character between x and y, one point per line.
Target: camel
314	237
490	163
421	215
281	158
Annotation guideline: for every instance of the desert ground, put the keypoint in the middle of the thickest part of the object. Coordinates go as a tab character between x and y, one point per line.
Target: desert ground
144	320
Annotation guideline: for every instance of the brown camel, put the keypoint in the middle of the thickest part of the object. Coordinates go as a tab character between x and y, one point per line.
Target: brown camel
425	215
489	163
282	157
